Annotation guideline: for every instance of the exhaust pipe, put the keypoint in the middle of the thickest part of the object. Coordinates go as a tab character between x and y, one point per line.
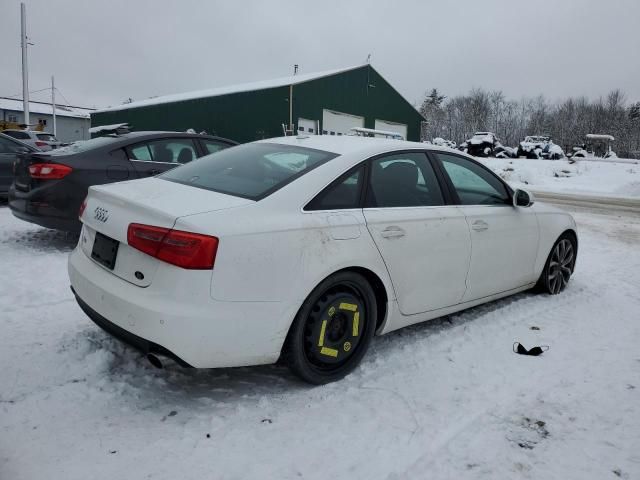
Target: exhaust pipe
153	360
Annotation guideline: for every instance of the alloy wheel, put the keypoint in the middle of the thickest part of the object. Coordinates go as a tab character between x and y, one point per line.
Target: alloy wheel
560	266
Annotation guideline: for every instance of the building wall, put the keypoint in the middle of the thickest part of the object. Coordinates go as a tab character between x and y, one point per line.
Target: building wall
68	129
361	92
249	116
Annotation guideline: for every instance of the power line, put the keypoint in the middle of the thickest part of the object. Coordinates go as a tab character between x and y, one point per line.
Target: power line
30	91
62	95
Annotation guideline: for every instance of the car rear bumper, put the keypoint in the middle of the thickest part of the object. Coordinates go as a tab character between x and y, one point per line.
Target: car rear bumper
35	208
145	346
177	317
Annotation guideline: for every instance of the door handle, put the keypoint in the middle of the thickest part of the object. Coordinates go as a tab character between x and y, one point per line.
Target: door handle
153	173
480	225
392	232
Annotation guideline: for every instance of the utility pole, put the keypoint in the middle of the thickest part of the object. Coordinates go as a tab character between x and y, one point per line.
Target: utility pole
25	68
53	103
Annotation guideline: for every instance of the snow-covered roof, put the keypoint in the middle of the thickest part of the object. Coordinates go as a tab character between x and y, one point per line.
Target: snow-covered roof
597	136
348	144
107	128
15	105
242	87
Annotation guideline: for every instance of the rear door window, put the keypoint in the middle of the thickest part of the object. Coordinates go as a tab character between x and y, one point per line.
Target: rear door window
211	146
172	150
140	152
341	194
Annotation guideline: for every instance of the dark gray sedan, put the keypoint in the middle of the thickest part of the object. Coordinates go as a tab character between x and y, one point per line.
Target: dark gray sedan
49	187
10	149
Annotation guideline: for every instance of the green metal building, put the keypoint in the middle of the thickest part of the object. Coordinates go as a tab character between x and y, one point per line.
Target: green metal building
327	103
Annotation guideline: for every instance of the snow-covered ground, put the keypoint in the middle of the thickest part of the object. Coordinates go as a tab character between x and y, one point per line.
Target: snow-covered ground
606	177
443	400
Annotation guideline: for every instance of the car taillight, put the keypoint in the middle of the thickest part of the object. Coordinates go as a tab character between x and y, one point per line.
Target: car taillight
49	171
83	205
184	249
41	144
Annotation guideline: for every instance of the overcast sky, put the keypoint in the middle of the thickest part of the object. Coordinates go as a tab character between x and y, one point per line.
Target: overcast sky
102	52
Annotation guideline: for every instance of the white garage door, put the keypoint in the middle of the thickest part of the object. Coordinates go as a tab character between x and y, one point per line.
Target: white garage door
394	127
307	126
338	123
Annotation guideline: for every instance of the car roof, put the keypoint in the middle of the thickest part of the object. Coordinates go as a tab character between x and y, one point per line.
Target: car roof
347	144
153	133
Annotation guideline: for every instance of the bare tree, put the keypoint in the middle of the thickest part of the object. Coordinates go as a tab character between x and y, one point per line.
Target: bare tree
566	121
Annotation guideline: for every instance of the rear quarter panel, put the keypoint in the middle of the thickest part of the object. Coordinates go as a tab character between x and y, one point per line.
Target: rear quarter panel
275	256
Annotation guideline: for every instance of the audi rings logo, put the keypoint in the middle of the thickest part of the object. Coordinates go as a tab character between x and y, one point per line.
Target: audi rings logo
101	214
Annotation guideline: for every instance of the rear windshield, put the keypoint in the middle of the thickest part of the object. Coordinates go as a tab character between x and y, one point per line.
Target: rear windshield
47	137
84	145
253	170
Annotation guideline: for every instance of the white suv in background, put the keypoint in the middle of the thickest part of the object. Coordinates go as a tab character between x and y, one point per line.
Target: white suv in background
41	140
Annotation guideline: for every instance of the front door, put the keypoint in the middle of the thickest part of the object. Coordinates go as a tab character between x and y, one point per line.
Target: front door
504	238
425	244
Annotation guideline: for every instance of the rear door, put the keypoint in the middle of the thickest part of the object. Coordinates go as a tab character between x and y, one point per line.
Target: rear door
424	242
504	238
154	157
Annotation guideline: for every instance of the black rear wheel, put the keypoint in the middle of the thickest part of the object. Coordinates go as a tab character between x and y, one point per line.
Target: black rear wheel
332	329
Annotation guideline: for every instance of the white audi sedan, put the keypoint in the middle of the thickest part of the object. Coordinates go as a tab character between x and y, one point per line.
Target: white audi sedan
304	248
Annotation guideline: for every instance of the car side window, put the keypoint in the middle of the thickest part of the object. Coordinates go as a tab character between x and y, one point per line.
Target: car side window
140	152
341	194
403	180
212	146
473	184
171	150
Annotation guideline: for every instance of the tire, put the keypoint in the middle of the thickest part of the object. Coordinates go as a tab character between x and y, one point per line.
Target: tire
332	330
559	266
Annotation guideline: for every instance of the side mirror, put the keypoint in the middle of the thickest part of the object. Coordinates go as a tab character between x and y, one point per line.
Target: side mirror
522	198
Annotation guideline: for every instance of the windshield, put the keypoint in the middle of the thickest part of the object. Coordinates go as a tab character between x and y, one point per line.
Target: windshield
84	145
253	170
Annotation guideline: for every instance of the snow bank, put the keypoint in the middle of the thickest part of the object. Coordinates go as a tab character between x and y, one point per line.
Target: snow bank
607	177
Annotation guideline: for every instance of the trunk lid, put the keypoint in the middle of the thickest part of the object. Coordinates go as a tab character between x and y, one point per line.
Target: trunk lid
110	209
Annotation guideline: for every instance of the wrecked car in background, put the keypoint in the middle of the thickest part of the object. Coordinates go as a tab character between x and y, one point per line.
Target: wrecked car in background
540	146
482	144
